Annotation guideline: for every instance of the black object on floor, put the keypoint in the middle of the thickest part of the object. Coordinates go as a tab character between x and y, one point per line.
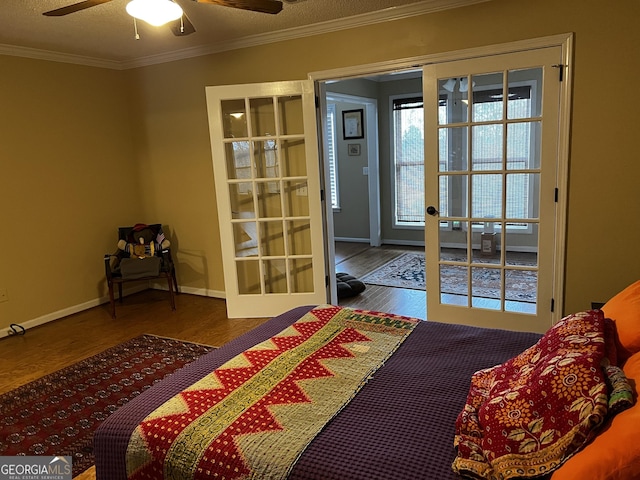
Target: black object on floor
348	285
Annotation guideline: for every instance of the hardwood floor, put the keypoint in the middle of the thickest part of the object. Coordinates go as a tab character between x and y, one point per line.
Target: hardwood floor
55	345
358	259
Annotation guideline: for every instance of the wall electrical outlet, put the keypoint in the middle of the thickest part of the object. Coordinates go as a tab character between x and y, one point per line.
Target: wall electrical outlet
3	295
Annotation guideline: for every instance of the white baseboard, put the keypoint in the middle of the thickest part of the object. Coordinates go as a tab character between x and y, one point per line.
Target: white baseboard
351	239
404	243
203	292
65	312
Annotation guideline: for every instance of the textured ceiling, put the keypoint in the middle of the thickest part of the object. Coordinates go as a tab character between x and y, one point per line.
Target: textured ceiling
106	32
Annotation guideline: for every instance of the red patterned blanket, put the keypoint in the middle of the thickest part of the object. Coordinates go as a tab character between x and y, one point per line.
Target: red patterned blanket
253	416
524	418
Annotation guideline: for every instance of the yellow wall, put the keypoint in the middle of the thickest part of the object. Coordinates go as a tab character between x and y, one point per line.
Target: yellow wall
68	177
148	139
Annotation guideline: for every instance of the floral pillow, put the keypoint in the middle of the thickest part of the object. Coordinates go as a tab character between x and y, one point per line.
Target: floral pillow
524	418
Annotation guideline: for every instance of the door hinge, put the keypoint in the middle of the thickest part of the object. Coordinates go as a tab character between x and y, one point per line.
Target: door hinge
326	280
556	195
317	101
322	195
553	305
560	68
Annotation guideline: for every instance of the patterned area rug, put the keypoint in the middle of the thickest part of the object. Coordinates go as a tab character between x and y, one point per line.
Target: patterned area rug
408	271
57	414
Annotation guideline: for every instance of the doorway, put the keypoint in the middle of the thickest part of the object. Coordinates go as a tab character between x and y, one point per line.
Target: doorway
359	185
276	201
556	167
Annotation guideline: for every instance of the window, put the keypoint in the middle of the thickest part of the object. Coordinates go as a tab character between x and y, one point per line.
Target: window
331	155
408	161
487	151
408	154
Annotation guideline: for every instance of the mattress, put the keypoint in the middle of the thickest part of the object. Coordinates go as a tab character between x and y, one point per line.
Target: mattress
400	425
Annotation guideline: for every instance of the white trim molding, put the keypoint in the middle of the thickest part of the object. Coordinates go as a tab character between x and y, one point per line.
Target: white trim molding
372	18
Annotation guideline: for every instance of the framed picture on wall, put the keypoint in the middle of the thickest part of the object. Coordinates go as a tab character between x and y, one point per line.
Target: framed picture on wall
353	149
352	124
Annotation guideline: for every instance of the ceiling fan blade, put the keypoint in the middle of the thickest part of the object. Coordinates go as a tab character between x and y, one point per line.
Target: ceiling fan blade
182	26
76	7
264	6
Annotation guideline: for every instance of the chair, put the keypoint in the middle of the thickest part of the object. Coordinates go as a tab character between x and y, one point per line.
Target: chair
143	254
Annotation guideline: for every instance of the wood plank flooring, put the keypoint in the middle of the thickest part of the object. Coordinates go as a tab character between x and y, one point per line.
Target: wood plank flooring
55	345
358	259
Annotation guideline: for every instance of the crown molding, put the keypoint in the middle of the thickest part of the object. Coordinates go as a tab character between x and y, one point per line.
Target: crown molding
38	54
386	15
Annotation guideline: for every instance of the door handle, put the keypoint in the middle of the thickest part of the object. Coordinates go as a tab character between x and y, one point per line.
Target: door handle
431	210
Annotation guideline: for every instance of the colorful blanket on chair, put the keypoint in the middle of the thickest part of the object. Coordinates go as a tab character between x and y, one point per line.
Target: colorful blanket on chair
524	418
253	416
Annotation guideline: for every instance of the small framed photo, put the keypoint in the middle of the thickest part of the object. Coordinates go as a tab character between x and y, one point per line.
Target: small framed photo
352	124
353	149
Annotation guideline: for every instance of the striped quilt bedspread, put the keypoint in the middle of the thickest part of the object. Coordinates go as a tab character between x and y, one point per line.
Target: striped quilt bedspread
254	416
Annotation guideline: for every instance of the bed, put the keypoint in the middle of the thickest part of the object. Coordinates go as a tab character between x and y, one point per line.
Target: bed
400	421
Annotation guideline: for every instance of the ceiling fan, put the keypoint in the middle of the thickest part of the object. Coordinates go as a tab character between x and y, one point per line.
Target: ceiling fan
182	26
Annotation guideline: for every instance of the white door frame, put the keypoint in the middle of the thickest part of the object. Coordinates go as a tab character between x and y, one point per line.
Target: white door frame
563	40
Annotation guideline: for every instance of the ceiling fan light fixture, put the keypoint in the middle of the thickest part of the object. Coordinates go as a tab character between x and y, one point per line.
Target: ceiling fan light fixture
154	12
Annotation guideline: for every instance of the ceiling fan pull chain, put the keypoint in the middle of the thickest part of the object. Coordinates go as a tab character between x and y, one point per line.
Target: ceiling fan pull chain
181	24
135	28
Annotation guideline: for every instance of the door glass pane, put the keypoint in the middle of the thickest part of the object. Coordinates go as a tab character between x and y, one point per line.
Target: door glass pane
487	97
301	275
271	239
486	196
525	99
453	149
296	198
522	244
522	196
248	277
453	196
266	158
238	160
523	145
299	237
453	99
457	236
275	276
486	153
521	285
241	199
269	203
486	287
449	254
454	282
263	119
293	158
290	111
488	242
245	237
234	118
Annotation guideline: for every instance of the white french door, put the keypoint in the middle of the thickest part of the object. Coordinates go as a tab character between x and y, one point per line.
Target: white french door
265	160
491	148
